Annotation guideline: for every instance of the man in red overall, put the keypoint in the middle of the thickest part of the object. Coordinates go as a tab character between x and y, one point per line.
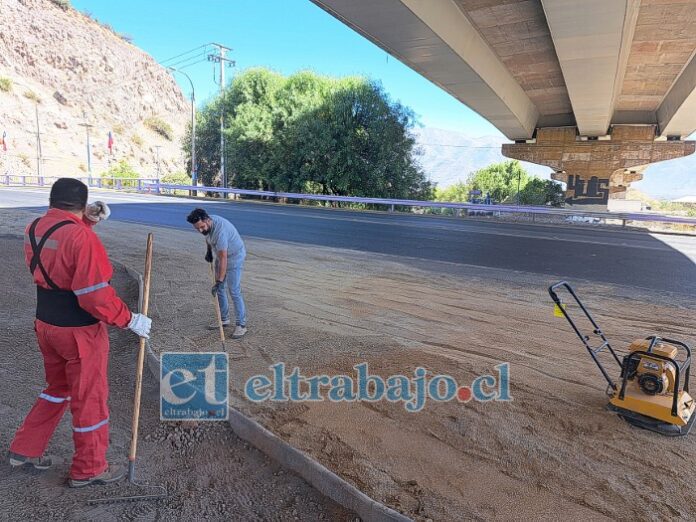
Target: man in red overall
75	302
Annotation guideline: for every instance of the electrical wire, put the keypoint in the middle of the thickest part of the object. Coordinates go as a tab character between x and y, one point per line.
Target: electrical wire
184	53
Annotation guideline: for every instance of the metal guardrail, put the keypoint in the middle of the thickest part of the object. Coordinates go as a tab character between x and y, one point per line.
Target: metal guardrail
138	184
152	185
391	203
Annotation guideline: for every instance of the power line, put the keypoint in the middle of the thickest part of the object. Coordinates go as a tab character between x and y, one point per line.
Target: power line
184	53
192	64
460	146
178	63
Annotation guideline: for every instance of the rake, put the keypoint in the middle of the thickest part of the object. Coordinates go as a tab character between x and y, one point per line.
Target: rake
161	490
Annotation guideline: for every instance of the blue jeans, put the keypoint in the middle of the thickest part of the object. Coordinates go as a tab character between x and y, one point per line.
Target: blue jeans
233	283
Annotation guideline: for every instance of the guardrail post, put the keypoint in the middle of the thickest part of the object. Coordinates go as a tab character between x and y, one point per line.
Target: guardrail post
391	208
140	185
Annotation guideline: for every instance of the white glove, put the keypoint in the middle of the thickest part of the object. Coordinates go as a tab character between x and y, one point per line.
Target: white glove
97	211
140	324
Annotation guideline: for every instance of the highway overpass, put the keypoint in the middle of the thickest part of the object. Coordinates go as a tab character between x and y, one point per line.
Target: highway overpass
595	89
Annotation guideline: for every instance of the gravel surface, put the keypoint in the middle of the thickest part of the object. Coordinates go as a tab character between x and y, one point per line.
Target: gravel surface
554	452
210	474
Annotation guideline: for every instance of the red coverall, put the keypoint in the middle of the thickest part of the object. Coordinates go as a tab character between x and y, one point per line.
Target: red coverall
75	358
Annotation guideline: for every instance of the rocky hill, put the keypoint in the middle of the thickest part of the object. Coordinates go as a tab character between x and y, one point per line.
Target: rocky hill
72	70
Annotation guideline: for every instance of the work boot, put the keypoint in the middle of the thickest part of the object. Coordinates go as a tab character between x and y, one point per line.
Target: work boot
216	325
239	332
112	474
18	461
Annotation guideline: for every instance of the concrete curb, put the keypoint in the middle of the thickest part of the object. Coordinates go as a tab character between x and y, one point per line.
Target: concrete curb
314	473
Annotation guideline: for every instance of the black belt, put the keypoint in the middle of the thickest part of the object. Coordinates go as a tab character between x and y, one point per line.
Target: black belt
61	308
55	306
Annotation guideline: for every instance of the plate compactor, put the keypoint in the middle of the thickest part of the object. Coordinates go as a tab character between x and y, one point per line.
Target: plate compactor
652	390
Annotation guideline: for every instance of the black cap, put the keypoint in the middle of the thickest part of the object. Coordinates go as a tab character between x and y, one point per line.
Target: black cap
68	194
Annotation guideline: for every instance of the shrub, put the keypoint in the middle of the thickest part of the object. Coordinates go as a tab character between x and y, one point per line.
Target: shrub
5	84
63	4
120	171
137	140
159	126
177	178
31	95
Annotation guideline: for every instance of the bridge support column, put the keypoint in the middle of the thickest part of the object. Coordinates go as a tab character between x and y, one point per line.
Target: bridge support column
596	170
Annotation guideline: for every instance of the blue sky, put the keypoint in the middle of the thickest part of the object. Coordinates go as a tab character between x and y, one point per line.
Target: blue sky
285	35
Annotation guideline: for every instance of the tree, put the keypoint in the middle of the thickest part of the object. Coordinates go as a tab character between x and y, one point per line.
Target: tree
310	133
121	170
500	180
457	193
542	192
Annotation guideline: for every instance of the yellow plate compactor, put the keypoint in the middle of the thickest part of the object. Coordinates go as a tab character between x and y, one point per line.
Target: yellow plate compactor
652	390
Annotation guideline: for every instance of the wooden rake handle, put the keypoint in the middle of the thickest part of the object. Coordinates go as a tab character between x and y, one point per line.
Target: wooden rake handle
217	307
141	351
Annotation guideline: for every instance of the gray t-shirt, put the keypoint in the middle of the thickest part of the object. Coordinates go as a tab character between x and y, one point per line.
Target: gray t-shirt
224	236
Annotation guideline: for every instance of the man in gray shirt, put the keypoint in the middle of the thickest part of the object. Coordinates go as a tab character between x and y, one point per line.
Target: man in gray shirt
226	244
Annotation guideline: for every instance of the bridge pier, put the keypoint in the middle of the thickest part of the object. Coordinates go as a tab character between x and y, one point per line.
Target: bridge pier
598	169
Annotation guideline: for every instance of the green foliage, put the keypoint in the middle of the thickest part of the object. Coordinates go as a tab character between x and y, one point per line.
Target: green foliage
63	4
159	126
31	95
542	192
501	181
309	133
457	193
177	178
122	170
5	84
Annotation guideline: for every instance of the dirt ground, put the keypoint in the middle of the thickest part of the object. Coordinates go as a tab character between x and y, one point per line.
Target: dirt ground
209	473
553	452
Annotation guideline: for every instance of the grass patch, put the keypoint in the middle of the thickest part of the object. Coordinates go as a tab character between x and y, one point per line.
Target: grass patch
137	140
31	95
5	84
63	4
159	126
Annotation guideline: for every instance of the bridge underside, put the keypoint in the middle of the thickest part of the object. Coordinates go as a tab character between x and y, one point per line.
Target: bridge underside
598	170
573	75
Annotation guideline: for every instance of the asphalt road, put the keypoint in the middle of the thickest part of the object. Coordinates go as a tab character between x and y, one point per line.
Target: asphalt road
638	259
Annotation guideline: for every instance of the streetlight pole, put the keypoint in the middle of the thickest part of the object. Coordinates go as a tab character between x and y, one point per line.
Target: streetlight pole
88	126
194	173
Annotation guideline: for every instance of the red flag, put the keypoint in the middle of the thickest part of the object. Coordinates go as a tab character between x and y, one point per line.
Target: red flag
3	140
110	143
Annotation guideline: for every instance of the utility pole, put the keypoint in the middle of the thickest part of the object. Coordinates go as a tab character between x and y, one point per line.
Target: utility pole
158	147
220	58
39	156
194	173
88	126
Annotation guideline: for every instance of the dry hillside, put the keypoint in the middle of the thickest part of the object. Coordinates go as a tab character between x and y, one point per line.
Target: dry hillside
76	70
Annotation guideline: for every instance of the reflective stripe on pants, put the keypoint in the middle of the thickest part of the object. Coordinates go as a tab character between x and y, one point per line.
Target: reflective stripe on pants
75	362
